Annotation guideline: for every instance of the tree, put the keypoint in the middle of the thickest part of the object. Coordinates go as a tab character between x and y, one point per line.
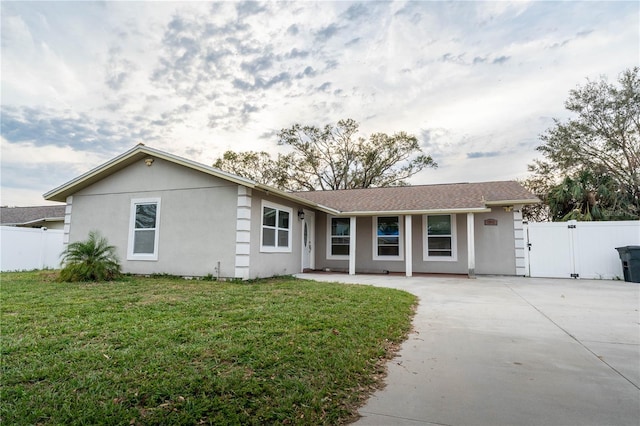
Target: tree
587	196
90	260
332	157
257	166
598	151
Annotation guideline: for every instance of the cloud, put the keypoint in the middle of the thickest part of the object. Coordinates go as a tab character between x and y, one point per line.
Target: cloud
295	53
248	8
117	70
324	86
501	60
357	11
487	154
352	42
258	64
28	170
42	127
327	32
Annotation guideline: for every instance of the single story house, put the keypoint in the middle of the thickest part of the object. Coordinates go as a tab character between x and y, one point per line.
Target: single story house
168	214
51	217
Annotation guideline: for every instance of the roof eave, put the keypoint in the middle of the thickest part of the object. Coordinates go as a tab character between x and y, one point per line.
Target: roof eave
415	212
512	202
43	219
289	196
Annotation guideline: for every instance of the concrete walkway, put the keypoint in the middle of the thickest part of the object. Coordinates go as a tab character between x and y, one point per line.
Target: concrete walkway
512	351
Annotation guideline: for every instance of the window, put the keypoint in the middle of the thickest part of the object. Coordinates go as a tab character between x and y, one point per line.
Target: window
387	233
339	238
276	228
143	229
440	240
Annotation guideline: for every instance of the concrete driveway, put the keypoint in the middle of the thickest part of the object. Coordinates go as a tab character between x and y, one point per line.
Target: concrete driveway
512	351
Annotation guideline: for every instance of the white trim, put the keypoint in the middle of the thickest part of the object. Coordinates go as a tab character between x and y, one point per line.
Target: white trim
132	227
365	213
454	240
471	246
278	208
67	220
374	227
352	245
310	220
243	234
329	236
408	249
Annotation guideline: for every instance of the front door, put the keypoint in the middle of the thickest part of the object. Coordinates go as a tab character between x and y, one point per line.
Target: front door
308	234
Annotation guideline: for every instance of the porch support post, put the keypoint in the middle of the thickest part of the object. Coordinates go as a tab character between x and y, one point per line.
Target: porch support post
352	245
471	245
408	254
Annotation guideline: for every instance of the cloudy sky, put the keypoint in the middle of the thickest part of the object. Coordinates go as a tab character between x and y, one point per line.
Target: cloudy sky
476	82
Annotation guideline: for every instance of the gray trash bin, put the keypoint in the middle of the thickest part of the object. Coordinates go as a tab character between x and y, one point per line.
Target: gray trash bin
630	257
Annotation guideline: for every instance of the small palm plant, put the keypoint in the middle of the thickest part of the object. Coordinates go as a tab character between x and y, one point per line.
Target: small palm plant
90	260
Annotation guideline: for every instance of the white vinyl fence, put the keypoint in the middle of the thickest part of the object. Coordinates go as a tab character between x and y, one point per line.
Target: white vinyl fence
30	248
579	249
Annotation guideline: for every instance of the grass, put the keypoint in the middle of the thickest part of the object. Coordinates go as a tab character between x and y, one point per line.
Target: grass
168	351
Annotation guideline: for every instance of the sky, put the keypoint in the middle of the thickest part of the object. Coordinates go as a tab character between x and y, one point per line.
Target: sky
476	82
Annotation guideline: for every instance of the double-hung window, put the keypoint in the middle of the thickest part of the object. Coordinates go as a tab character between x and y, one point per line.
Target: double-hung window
339	238
387	234
144	229
440	239
276	228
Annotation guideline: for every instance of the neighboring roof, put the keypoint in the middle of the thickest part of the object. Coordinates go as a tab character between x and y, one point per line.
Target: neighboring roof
21	216
141	152
457	197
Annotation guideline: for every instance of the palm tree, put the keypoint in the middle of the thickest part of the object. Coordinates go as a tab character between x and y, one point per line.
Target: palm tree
587	196
90	260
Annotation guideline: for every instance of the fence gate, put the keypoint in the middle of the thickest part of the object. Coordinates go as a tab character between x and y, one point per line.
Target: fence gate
579	249
550	250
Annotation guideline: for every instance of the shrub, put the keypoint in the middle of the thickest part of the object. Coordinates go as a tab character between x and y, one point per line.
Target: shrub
90	260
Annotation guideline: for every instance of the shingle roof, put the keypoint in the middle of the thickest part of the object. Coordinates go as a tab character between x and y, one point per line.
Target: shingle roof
458	196
26	215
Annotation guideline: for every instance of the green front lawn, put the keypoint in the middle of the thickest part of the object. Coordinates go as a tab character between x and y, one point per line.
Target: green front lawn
172	351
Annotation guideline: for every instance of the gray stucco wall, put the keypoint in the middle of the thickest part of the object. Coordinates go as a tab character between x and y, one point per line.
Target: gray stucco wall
197	217
266	264
495	250
495	245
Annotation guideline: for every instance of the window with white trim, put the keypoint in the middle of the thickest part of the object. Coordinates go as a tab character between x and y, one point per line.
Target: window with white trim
144	229
440	237
275	235
339	237
387	238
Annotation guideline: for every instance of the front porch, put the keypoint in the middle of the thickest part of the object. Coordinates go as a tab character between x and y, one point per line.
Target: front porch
407	239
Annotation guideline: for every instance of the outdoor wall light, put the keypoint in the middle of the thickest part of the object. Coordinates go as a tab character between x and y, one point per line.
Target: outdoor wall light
148	161
300	214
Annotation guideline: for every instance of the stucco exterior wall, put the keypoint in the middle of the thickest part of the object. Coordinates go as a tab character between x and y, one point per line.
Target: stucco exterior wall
495	244
267	264
197	224
458	266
